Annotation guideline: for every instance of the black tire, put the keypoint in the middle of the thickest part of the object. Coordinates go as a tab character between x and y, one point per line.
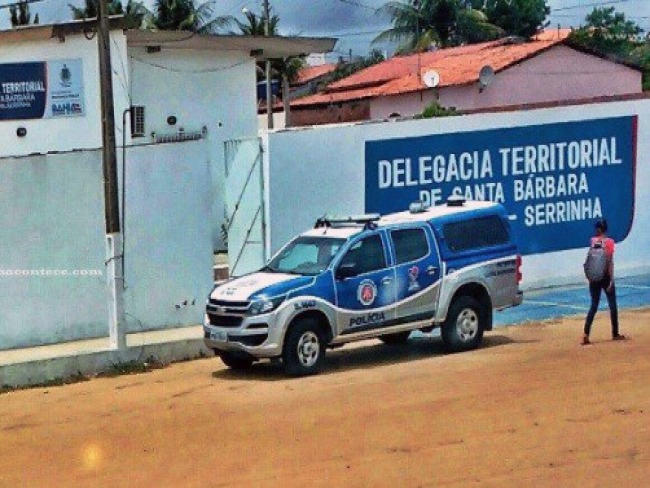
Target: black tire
396	338
235	361
466	321
304	348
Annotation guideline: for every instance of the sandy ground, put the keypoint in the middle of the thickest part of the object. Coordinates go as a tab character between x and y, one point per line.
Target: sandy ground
531	408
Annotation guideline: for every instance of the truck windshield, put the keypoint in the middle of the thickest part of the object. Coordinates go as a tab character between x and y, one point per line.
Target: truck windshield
305	255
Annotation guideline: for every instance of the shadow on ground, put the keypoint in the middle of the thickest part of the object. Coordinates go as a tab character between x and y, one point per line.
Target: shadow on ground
375	354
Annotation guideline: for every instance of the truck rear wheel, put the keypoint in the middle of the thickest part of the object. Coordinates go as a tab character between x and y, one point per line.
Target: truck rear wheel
304	348
396	338
463	329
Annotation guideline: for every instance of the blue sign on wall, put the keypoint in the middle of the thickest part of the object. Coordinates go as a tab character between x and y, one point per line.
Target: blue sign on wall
23	91
555	180
36	90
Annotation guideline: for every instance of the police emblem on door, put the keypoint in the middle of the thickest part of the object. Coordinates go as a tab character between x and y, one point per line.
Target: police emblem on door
367	292
414	272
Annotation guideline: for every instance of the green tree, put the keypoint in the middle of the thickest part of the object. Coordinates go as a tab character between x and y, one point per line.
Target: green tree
419	23
186	15
90	9
641	56
346	68
523	18
134	13
19	14
254	25
286	69
608	31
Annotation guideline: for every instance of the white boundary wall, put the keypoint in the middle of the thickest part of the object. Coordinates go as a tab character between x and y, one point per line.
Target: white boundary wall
310	172
52	219
167	232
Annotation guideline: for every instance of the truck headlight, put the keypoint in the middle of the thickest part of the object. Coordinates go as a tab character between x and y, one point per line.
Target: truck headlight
265	305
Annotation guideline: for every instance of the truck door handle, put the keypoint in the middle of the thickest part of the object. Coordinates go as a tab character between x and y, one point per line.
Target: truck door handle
386	280
432	270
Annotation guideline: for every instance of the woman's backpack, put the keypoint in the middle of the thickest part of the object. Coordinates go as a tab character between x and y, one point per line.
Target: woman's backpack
596	262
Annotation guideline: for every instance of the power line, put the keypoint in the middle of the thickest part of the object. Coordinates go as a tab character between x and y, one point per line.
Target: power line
587	5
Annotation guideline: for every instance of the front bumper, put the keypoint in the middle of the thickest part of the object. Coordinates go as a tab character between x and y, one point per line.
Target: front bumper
256	336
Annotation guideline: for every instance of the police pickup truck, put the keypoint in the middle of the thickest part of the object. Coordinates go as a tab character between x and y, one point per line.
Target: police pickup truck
354	278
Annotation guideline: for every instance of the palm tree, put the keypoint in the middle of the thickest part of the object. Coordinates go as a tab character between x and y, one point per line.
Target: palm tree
90	10
442	22
286	68
185	15
255	25
19	14
134	13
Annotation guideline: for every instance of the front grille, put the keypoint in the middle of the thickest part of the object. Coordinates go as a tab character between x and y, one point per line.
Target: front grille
228	308
225	320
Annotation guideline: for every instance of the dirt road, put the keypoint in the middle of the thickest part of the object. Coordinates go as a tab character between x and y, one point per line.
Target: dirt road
531	408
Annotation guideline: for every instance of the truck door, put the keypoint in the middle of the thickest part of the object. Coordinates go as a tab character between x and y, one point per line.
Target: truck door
417	270
365	286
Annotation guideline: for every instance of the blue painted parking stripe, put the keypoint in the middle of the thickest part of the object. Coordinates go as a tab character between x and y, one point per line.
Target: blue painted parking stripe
556	304
636	287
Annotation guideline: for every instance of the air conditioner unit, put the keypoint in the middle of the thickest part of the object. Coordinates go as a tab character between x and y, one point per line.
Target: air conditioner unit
137	121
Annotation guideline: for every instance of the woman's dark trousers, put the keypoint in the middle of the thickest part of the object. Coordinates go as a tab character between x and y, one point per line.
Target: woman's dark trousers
594	290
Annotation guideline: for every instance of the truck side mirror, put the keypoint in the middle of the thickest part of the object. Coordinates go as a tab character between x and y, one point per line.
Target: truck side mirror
346	270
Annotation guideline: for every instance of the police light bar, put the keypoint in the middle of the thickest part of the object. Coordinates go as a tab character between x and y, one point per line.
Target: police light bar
456	201
366	220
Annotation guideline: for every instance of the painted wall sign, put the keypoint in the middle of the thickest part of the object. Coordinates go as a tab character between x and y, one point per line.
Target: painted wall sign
555	180
37	90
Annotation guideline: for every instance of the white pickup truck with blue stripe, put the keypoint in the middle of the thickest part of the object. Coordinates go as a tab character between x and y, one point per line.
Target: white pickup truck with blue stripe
353	278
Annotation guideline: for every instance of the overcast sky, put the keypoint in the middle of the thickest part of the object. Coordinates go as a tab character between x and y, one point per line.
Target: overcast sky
354	22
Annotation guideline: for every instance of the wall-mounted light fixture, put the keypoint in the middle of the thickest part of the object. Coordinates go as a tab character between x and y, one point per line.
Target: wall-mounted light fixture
171	120
21	131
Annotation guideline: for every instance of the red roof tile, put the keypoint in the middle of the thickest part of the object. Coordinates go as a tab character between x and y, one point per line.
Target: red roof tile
312	72
456	66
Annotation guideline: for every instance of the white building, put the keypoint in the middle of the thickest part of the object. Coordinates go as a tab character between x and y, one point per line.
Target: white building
190	95
185	85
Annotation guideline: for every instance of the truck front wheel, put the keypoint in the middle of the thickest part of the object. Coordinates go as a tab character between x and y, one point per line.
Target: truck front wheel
463	329
304	348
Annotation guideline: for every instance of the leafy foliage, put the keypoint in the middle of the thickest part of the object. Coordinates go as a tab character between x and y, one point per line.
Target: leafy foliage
186	15
134	13
19	14
344	69
523	18
421	23
609	32
254	25
436	110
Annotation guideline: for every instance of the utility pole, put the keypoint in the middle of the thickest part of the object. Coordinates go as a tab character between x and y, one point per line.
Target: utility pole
111	198
269	97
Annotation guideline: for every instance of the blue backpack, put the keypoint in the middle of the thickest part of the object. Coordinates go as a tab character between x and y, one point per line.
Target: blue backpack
596	262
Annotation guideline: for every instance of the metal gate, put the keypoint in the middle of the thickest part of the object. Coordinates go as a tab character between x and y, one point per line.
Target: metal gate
245	226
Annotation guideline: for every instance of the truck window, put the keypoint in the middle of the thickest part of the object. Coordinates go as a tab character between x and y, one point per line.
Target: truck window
306	255
475	233
367	254
410	245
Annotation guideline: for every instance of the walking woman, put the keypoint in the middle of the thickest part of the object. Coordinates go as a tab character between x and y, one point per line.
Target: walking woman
605	284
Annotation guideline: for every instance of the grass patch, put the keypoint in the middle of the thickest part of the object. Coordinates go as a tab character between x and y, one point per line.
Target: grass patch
132	367
116	369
